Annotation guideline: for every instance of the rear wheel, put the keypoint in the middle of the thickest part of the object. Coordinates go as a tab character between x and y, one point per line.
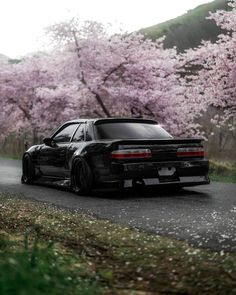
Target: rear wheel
28	174
81	177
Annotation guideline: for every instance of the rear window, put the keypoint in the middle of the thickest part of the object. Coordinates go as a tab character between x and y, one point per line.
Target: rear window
128	130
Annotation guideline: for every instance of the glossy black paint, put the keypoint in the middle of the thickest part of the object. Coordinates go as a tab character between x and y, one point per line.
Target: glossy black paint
54	159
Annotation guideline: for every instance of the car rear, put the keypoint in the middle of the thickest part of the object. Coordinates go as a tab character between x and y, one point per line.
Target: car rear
142	152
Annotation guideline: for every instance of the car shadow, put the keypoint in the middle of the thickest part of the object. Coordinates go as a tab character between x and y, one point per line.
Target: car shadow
155	192
140	193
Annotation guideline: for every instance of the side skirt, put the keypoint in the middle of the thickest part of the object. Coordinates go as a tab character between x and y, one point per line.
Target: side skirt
57	181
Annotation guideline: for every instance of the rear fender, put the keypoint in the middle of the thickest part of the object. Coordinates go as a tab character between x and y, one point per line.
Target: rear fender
81	158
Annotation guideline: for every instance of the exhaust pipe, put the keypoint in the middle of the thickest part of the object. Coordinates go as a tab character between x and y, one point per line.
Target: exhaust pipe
138	183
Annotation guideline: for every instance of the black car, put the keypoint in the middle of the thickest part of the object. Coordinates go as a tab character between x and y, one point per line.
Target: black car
115	153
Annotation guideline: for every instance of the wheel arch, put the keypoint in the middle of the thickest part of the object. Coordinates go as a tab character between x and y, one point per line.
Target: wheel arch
28	169
27	154
81	157
84	187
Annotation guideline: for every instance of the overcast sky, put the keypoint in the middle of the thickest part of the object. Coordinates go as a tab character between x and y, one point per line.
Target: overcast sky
22	21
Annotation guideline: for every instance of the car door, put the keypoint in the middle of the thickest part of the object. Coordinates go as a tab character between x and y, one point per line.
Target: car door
52	159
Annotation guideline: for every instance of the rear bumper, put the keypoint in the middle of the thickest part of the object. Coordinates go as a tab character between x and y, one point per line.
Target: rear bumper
186	173
183	181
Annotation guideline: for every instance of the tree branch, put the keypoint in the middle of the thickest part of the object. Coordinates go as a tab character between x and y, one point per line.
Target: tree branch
113	71
84	82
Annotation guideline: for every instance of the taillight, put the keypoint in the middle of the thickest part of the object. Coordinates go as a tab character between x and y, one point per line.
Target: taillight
131	154
190	152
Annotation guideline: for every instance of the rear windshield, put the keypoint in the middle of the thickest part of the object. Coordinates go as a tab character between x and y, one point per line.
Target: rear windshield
128	130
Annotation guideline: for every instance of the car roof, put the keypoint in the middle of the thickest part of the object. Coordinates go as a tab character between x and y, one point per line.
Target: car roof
98	121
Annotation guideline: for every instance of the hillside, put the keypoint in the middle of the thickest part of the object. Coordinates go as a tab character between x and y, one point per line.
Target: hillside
3	57
188	30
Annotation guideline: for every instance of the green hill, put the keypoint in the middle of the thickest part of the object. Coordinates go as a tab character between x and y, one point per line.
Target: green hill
3	57
8	59
188	30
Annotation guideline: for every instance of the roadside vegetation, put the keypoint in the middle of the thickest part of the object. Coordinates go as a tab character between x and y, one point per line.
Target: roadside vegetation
46	250
222	171
10	156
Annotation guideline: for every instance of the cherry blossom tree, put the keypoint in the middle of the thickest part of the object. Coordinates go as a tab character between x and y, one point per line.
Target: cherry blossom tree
10	119
92	74
210	70
123	75
23	106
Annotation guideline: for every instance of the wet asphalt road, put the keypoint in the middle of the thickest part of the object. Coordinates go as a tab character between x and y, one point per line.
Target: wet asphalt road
204	216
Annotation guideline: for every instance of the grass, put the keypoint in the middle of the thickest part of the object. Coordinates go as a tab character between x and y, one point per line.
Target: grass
222	171
40	271
46	250
10	156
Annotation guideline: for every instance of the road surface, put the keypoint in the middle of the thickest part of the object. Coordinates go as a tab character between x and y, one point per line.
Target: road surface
204	216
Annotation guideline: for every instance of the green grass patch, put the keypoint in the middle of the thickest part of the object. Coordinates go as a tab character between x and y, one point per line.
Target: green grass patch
46	250
10	156
223	172
41	271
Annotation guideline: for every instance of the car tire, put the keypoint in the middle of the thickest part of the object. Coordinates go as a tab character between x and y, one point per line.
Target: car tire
81	177
28	173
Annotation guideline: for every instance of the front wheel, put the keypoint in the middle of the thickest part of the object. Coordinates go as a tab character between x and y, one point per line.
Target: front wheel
81	178
28	174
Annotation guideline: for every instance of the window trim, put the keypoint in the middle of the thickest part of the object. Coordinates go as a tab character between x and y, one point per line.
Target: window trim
62	128
76	131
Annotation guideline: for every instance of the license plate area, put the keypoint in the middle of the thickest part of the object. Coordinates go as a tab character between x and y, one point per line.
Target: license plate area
167	174
166	171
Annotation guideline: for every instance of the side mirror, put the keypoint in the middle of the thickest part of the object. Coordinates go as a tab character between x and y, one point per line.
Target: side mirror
49	142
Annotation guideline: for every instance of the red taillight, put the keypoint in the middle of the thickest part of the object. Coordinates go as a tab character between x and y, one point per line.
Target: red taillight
131	154
190	152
